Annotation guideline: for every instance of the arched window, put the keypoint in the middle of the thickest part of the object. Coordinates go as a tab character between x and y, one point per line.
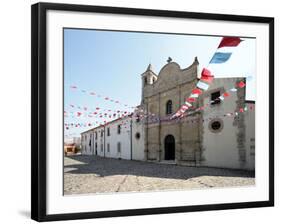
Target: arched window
145	80
169	107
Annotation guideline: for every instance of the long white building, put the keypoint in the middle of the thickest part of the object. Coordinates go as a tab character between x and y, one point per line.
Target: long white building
122	138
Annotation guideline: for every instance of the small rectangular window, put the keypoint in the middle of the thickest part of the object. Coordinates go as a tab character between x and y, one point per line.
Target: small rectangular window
215	98
119	147
108	131
101	133
101	148
119	129
96	135
108	147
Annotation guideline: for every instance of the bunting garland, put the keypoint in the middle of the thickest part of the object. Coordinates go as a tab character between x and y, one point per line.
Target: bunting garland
126	123
122	114
76	88
151	117
183	108
207	77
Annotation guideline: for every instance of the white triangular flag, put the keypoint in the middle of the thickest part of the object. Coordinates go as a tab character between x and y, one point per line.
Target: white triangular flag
194	95
202	85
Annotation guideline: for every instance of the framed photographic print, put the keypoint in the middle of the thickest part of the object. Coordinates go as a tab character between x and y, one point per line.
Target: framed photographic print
139	111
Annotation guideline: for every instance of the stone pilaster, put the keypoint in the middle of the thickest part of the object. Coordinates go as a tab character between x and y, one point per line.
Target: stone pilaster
239	121
159	129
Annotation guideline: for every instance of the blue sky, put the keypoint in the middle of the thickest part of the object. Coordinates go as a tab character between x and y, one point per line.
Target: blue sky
110	63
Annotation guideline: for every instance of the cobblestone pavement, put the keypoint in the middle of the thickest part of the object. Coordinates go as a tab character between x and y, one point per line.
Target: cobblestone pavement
90	174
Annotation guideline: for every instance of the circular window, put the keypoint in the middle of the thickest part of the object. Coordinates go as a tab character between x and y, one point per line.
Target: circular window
137	135
216	125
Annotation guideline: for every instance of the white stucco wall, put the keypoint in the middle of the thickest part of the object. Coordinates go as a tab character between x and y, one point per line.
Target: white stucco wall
123	138
137	143
250	136
99	145
85	148
98	141
220	149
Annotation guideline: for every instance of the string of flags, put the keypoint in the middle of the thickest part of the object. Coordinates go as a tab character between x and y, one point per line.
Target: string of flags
153	117
109	99
86	124
225	95
86	112
109	113
195	119
126	123
195	94
206	75
141	114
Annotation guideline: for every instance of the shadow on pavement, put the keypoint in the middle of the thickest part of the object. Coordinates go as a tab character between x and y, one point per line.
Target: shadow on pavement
108	167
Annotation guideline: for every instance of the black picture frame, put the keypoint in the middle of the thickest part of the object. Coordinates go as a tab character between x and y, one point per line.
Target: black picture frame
39	107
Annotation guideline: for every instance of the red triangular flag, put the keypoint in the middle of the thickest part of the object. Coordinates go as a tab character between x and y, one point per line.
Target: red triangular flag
241	84
206	75
190	100
225	94
206	72
229	42
196	91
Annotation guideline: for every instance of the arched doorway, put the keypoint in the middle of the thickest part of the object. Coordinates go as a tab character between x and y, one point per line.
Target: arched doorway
169	147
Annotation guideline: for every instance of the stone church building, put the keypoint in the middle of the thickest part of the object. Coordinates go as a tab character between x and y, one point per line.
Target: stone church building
216	136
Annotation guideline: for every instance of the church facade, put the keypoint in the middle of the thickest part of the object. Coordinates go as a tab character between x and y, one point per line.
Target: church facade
216	136
161	96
